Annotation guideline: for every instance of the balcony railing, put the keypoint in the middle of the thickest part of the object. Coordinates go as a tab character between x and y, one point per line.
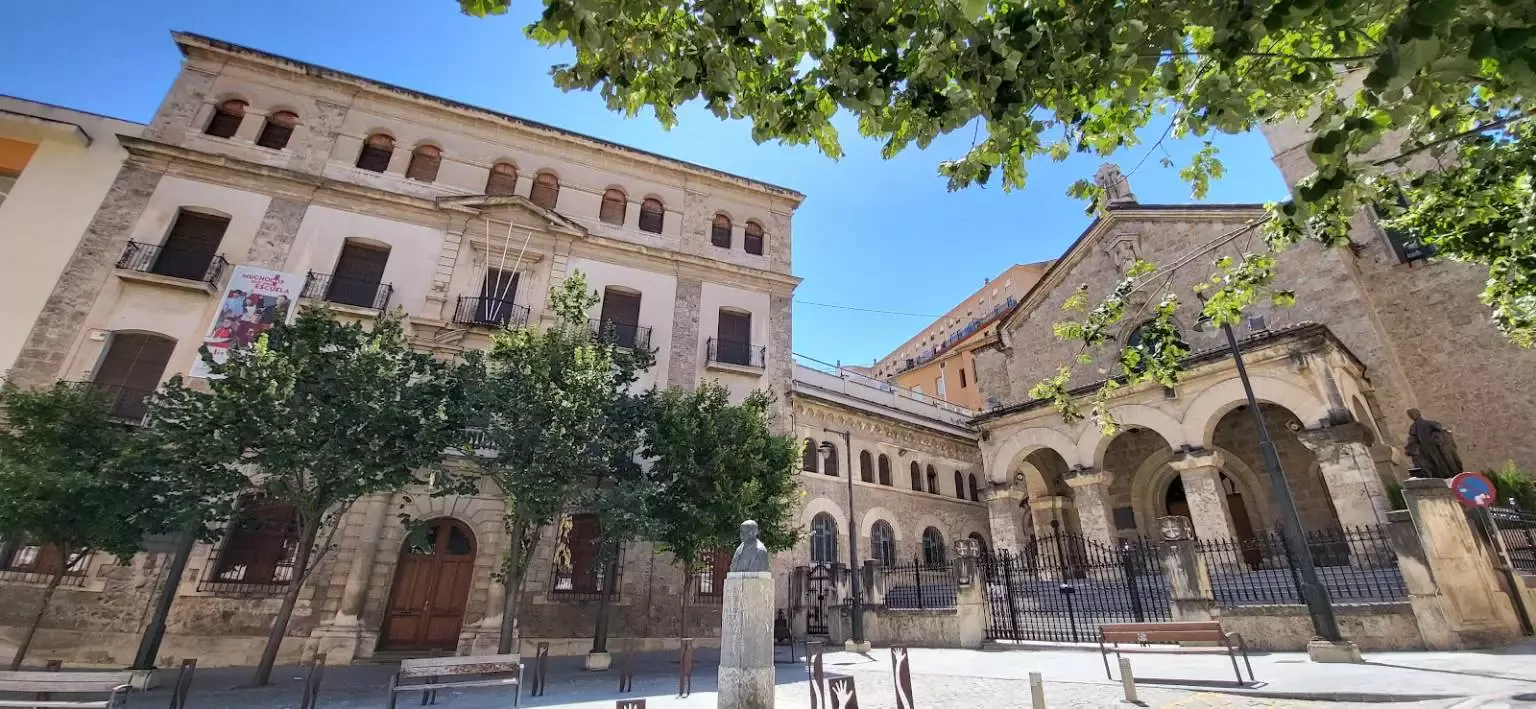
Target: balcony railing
127	404
348	291
635	337
173	263
490	312
741	354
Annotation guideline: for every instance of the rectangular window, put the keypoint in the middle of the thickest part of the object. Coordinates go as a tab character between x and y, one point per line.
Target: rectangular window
41	559
190	246
621	316
576	555
709	574
734	338
359	273
498	293
938	386
260	546
962	377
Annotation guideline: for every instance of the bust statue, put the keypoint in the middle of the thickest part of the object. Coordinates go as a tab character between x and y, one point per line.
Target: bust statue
750	555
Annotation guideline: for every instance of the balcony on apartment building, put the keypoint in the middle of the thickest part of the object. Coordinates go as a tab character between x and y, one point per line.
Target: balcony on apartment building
736	353
354	292
164	264
622	334
489	312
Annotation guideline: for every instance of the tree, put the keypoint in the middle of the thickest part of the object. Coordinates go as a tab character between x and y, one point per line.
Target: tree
322	413
715	464
1425	103
612	498
542	398
72	482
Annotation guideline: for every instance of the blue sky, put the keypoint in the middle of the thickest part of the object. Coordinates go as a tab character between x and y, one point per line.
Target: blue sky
872	233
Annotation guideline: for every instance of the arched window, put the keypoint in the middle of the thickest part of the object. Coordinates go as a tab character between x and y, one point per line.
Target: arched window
933	547
377	150
829	464
885	469
809	456
277	130
131	370
823	539
720	232
917	477
502	181
261	544
576	555
546	190
866	467
975	495
226	119
882	543
959	485
424	163
933	481
614	204
652	215
752	239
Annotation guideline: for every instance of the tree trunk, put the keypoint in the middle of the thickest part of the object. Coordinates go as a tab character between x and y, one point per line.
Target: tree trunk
37	616
682	616
307	536
517	574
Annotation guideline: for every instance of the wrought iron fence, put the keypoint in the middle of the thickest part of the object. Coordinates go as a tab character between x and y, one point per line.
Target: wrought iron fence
1517	529
36	563
1355	564
1061	587
175	263
490	312
635	337
348	291
248	571
920	586
584	580
742	354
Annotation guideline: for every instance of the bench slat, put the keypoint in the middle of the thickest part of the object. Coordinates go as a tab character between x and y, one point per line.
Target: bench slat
1144	627
62	677
60	687
54	704
450	685
458	665
1167	636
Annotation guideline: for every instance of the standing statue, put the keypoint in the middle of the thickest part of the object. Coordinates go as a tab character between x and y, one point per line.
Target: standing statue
1117	188
750	555
1432	447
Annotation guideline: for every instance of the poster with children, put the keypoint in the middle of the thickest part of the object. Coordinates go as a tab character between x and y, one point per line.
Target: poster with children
254	301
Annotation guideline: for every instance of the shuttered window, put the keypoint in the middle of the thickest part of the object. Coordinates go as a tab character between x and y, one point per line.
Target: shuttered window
377	150
546	190
576	553
502	181
425	161
752	239
131	370
652	215
359	273
277	130
226	119
720	233
613	208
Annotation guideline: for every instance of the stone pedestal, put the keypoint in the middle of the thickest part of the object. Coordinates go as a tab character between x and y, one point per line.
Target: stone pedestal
1320	650
1189	584
598	662
746	641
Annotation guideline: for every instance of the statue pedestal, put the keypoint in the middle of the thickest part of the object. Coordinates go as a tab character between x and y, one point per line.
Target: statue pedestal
746	641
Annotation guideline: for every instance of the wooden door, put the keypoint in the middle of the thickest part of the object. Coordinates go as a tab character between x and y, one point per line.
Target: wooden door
359	273
621	316
426	604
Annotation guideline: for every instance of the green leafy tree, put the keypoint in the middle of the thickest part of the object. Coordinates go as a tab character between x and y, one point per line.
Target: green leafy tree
75	481
714	464
1423	103
542	397
321	413
612	497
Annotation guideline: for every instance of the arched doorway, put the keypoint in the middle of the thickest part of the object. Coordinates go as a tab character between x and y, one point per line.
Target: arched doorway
432	579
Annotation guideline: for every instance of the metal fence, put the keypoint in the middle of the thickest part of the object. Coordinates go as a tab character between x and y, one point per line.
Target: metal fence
920	586
742	354
348	291
184	264
1517	529
1061	587
1355	564
490	312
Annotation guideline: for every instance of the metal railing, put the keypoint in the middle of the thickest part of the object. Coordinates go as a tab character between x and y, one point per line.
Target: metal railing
348	291
741	354
1356	564
489	312
173	263
34	563
920	586
635	337
586	584
243	572
1517	529
709	576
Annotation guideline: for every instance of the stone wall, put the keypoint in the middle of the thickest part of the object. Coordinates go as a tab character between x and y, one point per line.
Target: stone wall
1374	626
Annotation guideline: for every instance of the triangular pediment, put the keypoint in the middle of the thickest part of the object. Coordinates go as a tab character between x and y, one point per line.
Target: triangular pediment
514	209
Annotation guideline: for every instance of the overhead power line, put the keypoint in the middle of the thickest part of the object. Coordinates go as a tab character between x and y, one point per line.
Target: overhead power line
867	310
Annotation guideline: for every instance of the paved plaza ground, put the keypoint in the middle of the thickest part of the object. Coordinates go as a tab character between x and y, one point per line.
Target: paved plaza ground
959	679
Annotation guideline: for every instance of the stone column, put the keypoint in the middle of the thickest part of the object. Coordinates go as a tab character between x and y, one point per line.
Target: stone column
274	237
58	323
1456	594
971	614
1005	519
746	641
339	638
1189	584
1350	473
1201	473
683	368
1090	495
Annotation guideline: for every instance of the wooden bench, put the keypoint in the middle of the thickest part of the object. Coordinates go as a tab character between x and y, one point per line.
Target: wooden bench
113	684
1145	634
456	672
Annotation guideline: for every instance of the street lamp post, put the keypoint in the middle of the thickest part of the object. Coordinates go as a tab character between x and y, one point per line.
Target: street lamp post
857	608
1319	606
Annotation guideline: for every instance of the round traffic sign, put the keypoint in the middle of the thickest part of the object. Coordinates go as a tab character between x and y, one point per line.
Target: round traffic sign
1474	490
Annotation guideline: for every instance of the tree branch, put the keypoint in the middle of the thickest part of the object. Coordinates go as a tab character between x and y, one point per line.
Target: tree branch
1492	125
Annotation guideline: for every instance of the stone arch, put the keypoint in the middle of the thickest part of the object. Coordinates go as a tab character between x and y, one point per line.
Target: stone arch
875	514
1022	443
914	549
1155	475
819	505
1095	442
1206	410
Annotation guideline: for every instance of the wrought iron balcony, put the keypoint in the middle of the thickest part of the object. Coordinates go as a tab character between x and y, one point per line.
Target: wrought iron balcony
490	312
635	337
348	291
173	263
740	354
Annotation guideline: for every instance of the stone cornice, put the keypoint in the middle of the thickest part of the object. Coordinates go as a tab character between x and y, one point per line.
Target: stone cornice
888	430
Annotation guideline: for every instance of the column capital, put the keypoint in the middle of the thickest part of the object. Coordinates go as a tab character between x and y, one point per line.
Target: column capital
1337	434
1088	477
1197	459
1006	494
1049	502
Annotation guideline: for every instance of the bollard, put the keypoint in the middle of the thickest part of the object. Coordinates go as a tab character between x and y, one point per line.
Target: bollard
1128	681
1036	691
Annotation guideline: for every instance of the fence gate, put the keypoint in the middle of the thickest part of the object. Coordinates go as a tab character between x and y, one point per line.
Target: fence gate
818	595
1061	587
